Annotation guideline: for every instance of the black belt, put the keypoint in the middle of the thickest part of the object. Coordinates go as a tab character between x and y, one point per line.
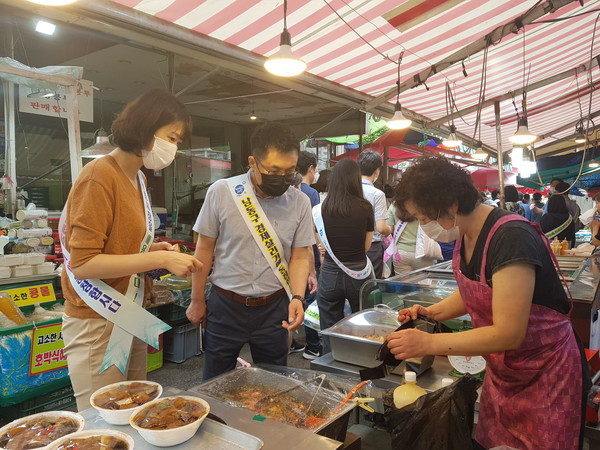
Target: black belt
250	301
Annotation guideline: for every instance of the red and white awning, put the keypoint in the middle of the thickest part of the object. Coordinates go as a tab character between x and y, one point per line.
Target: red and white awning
343	41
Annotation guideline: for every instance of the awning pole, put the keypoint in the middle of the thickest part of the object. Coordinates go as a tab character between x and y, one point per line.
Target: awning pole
500	155
10	150
74	132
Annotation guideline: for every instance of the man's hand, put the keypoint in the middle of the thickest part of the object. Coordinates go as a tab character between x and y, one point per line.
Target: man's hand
295	315
196	312
313	285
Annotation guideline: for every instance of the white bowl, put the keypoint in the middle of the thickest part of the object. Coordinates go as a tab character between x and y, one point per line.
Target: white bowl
173	436
44	415
119	416
89	433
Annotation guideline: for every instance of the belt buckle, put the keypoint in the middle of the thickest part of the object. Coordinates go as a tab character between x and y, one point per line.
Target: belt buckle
250	298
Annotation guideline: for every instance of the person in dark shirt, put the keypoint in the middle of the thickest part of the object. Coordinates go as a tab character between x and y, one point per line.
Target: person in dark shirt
509	286
536	208
348	227
558	222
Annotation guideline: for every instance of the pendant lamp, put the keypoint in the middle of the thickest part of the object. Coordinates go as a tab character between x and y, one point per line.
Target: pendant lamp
522	136
52	2
399	121
102	147
453	140
283	63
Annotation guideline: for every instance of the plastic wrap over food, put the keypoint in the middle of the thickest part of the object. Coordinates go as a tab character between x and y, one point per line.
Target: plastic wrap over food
303	398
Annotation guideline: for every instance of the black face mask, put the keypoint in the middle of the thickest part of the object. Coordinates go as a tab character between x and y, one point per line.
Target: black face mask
274	185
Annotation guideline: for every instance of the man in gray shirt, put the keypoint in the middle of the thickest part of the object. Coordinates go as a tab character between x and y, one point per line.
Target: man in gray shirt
370	166
247	303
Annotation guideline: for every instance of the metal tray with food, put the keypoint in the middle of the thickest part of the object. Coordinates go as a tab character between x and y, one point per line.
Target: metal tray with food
356	338
211	434
311	404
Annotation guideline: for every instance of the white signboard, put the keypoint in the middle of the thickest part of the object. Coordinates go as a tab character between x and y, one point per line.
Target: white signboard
47	103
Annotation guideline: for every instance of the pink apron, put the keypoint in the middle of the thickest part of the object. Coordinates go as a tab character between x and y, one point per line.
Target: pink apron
531	397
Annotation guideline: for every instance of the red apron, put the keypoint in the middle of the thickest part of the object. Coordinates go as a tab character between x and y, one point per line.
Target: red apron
531	397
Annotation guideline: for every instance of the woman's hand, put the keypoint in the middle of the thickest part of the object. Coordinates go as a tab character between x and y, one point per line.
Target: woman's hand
157	246
404	315
180	264
409	343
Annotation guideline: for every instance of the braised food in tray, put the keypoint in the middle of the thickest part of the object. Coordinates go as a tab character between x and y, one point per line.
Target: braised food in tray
374	337
171	412
94	443
126	396
37	432
274	404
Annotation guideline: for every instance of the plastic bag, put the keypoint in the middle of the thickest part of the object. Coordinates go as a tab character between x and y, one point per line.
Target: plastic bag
440	420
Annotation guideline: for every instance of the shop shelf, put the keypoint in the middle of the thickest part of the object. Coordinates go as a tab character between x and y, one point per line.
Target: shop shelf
182	342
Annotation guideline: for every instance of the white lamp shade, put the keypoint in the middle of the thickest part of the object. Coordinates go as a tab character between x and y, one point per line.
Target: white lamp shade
522	135
398	121
102	147
452	141
284	64
516	156
479	154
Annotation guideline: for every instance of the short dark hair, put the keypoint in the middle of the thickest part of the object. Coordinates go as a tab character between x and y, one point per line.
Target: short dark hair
495	193
558	205
537	196
369	161
511	194
562	187
526	197
321	183
556	179
344	190
305	160
135	126
434	184
273	135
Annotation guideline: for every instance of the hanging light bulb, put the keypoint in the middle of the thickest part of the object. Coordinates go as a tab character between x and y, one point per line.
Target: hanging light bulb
283	63
252	115
479	154
516	156
580	137
399	121
522	136
594	164
102	147
453	140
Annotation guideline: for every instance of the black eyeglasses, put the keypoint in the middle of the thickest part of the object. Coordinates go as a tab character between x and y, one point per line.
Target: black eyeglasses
289	174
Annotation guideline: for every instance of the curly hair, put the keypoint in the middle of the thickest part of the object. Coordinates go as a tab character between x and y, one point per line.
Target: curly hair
434	184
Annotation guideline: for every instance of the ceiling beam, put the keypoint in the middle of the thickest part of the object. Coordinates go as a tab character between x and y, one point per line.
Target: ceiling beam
473	48
512	94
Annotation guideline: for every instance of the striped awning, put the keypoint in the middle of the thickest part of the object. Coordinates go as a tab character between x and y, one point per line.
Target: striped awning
356	43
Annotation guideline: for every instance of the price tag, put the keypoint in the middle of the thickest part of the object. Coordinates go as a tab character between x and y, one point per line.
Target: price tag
47	349
29	295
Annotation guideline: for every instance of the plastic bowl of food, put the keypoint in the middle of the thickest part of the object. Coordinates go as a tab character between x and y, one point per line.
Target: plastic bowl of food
40	430
99	439
170	420
116	402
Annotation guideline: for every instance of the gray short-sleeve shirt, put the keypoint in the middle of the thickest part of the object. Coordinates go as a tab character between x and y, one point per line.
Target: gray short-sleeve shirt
239	264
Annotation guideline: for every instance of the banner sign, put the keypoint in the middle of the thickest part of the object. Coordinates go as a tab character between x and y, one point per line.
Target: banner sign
47	349
47	103
29	295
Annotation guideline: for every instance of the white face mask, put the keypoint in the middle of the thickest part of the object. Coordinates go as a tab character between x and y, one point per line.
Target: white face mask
316	177
161	156
552	190
435	231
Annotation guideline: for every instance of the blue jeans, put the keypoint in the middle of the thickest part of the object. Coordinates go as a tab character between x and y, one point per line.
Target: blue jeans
334	287
230	325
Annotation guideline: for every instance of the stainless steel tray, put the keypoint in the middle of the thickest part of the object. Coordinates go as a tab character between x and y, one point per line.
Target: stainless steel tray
347	340
212	435
227	387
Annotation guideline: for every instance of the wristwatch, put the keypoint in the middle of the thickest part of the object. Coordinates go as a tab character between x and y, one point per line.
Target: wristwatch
299	297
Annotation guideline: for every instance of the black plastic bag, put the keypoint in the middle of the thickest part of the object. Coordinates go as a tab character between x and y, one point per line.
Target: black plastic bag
440	420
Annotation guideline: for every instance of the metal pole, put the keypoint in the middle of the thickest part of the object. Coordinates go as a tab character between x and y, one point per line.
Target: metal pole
500	155
11	141
74	132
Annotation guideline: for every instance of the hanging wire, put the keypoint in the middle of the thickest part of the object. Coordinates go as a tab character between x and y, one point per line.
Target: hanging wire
285	14
398	79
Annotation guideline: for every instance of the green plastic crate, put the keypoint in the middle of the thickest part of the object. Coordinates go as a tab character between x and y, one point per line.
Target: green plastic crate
61	401
155	361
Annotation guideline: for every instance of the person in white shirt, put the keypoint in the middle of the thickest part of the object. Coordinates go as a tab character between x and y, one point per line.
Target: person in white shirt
370	166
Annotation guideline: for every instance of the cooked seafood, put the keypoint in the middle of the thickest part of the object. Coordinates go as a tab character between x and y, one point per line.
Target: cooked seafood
94	443
169	413
375	337
283	407
38	433
126	396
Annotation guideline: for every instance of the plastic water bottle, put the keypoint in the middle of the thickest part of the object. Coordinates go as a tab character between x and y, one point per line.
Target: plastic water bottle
409	392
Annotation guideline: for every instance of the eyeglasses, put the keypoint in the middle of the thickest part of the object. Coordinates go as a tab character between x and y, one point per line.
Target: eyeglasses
289	174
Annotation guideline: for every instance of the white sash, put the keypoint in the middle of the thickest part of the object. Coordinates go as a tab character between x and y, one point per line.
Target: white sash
260	228
318	220
128	316
392	249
